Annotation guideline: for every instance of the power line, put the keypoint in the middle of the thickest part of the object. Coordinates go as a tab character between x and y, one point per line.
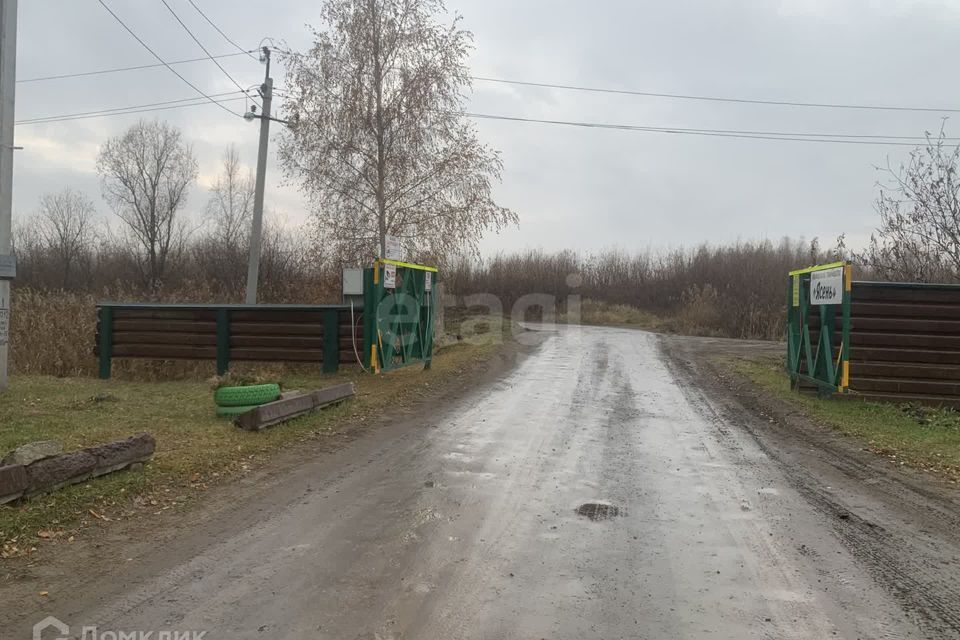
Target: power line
220	31
720	133
200	44
119	69
200	103
780	103
137	108
162	61
680	96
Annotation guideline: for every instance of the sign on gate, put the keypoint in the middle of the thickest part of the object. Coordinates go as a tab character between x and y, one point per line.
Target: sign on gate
818	326
389	276
826	287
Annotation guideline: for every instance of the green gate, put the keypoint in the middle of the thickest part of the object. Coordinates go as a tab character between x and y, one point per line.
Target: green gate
818	351
400	302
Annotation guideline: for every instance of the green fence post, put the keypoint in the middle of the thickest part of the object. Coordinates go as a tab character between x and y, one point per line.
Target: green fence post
106	342
790	319
369	313
331	340
845	344
223	341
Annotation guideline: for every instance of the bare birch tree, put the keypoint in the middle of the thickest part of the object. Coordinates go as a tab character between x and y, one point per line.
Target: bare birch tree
919	207
230	207
222	251
65	228
145	176
381	143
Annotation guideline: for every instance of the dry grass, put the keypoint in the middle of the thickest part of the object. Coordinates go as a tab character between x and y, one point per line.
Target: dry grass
53	333
604	313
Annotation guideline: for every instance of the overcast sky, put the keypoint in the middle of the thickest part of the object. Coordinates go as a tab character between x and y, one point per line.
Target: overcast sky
572	188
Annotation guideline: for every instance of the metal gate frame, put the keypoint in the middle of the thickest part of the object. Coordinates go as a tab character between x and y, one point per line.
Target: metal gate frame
398	323
828	374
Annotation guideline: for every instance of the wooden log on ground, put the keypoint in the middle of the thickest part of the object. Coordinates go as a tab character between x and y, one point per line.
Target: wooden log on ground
13	482
287	408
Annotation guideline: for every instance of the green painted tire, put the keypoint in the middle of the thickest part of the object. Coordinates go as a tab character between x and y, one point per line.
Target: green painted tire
252	395
232	412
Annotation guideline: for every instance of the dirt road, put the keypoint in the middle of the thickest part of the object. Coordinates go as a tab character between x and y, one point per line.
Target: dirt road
477	524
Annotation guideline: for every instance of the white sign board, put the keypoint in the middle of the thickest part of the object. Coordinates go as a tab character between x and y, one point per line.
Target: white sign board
428	281
389	276
826	287
394	248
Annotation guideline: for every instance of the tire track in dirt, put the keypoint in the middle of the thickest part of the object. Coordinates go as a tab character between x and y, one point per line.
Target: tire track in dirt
916	565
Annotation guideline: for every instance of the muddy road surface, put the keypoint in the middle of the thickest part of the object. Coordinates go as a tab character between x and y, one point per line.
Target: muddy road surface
597	490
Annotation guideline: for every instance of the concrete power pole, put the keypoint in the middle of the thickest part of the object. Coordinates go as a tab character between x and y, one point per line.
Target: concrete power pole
253	266
8	72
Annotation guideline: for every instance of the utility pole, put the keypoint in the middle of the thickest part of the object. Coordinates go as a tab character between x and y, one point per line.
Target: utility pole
253	266
8	72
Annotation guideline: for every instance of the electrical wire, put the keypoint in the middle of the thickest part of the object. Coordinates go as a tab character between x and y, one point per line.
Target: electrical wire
119	69
720	133
137	106
119	111
220	31
678	96
200	44
164	62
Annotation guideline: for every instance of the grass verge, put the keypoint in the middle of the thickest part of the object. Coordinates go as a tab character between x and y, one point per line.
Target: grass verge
195	449
922	437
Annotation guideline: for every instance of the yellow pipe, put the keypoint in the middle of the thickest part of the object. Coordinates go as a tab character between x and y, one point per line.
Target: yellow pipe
408	265
819	267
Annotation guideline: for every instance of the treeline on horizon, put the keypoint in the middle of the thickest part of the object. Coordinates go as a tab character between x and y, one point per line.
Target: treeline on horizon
734	290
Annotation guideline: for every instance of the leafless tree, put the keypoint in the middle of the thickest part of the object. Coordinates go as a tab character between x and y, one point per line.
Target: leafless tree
222	252
919	207
230	207
145	176
381	142
65	227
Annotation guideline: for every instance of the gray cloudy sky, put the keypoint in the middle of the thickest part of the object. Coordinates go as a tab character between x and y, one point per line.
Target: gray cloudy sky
578	188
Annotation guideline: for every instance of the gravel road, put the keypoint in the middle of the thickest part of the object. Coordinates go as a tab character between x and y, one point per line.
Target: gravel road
594	491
